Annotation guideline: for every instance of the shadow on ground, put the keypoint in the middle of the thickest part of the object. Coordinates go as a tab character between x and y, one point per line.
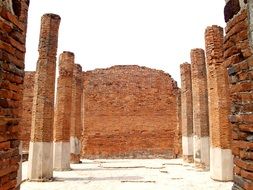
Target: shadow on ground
118	178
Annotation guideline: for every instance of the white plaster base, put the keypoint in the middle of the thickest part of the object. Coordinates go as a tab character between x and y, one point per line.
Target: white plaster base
221	164
75	145
61	156
19	175
40	161
187	144
201	147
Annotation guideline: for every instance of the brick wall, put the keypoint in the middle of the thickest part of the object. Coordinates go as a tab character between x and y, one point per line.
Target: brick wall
26	121
239	58
129	111
13	24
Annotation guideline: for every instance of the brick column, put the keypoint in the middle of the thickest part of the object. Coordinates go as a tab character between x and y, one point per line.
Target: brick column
178	135
221	160
238	56
63	112
26	120
84	130
41	147
186	112
200	109
178	131
76	123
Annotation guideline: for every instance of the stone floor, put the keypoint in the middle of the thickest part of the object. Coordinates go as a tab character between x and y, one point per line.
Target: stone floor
128	174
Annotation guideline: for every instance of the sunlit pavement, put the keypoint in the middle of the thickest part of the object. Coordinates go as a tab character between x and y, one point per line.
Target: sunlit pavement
154	174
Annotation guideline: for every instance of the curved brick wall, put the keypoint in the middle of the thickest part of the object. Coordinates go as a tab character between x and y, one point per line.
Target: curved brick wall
129	111
238	57
13	22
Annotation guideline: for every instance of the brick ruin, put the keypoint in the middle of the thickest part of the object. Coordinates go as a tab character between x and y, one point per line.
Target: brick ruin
200	109
131	107
62	120
238	55
186	112
13	25
229	86
219	106
40	162
76	115
127	111
26	119
178	136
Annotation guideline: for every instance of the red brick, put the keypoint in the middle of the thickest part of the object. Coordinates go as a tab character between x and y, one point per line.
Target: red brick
199	93
12	54
246	165
186	98
44	85
129	111
247	175
4	145
62	119
26	121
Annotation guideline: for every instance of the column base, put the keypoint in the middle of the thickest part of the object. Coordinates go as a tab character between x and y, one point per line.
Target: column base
187	145
62	156
188	158
40	161
75	149
221	164
75	158
201	152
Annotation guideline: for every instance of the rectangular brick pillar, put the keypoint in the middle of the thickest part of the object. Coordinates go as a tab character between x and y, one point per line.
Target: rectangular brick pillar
238	55
62	119
40	167
221	159
201	139
76	123
178	136
186	112
13	23
26	120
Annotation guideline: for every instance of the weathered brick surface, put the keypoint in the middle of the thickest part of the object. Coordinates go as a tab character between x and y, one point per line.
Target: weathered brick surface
200	107
199	93
76	122
129	111
186	99
77	87
13	22
239	58
26	120
178	135
62	119
43	104
219	101
186	106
